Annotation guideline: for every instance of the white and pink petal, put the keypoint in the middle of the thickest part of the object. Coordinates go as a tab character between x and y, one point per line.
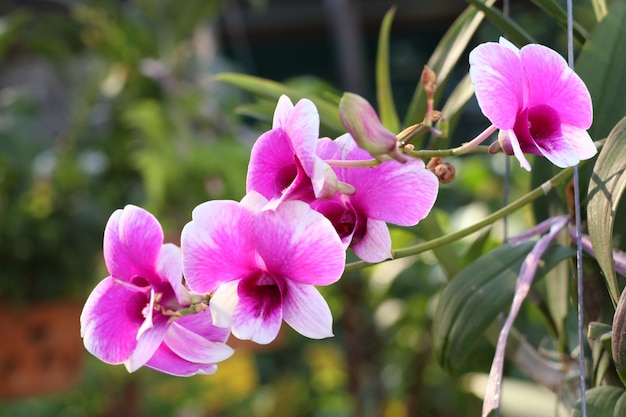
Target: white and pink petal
299	243
132	243
306	311
111	319
217	245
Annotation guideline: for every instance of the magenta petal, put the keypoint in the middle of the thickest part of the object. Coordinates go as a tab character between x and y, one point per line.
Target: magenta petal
306	311
552	82
580	141
402	194
272	167
202	324
132	242
302	127
517	150
299	243
216	245
111	319
148	343
498	77
166	361
259	314
375	245
170	268
195	348
284	107
560	152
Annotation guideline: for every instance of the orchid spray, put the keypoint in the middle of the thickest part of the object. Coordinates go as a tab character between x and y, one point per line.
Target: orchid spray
319	207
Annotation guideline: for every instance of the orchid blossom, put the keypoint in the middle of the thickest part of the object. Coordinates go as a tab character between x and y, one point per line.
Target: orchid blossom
283	163
539	104
262	265
398	193
131	315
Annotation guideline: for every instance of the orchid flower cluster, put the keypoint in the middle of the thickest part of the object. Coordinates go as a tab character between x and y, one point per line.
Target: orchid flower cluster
246	266
249	265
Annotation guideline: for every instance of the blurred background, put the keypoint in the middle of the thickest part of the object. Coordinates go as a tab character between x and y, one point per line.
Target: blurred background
109	102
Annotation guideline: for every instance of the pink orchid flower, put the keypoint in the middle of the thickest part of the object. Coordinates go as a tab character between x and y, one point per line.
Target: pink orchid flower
398	193
128	316
539	103
262	265
283	163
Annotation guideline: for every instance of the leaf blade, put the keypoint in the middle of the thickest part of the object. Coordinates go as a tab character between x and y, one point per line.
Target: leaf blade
606	186
386	107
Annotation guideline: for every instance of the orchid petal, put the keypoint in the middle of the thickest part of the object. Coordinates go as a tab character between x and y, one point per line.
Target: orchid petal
148	343
166	361
302	127
293	239
517	150
110	320
216	245
560	152
306	311
254	201
223	304
272	167
498	77
132	242
375	245
401	194
580	140
170	267
202	324
284	107
195	348
552	82
258	314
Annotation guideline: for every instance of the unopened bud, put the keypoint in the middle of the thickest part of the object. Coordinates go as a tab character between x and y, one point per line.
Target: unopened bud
361	121
429	80
444	171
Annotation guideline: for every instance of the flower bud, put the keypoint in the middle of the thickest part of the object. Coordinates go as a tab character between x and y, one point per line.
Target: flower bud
444	171
361	121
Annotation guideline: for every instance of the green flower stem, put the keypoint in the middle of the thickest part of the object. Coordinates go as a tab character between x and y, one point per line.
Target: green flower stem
471	146
542	190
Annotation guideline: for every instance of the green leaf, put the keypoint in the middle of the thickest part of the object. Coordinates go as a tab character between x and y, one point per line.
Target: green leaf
555	11
603	402
386	107
606	187
445	57
511	30
599	9
328	111
430	228
601	64
475	297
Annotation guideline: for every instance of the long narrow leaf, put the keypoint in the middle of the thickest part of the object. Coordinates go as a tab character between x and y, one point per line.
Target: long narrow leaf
445	57
477	295
328	111
555	11
606	187
511	30
601	64
386	108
